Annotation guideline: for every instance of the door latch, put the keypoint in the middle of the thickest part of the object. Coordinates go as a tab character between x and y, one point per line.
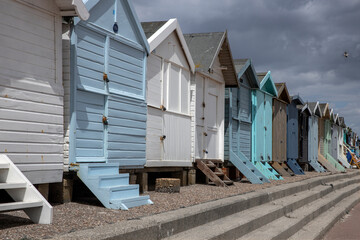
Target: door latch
163	108
105	78
163	137
105	120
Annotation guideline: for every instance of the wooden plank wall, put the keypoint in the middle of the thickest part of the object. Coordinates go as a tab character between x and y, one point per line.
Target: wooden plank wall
279	131
31	90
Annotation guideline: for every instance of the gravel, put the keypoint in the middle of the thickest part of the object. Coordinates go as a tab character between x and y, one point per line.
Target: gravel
75	216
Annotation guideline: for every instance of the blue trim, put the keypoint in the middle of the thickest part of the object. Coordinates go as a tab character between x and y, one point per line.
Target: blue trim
72	127
140	33
265	80
144	76
106	106
119	38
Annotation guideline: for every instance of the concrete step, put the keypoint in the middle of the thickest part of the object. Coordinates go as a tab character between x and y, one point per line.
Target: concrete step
280	200
241	223
326	220
290	223
13	206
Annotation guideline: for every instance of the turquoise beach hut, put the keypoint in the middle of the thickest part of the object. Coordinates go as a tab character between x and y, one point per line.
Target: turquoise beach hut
262	125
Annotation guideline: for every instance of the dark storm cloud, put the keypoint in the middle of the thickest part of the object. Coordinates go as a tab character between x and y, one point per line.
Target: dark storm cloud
301	41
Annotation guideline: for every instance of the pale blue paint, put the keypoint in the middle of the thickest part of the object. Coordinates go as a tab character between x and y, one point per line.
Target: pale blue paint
233	144
122	56
110	187
313	139
238	126
95	50
262	127
292	138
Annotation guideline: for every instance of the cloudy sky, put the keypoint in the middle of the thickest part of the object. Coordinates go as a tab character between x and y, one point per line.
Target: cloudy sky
301	42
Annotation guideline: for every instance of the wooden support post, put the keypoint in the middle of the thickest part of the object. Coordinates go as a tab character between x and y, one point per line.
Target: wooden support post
44	190
192	176
142	180
62	192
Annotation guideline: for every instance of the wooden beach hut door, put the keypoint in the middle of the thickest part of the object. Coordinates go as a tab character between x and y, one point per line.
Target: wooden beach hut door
90	96
107	100
245	119
169	133
207	124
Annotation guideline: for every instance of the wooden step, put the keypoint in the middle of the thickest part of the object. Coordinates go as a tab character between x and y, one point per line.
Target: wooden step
12	185
13	206
214	174
4	166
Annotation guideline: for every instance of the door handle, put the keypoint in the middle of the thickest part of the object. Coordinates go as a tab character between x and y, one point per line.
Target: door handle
163	137
105	120
105	78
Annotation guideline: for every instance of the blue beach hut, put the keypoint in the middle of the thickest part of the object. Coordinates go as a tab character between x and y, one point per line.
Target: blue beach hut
262	125
107	109
238	120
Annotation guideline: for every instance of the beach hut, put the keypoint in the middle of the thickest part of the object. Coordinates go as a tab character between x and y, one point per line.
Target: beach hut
325	138
238	120
262	99
313	136
297	134
214	70
31	106
31	101
341	129
107	111
169	69
279	131
336	142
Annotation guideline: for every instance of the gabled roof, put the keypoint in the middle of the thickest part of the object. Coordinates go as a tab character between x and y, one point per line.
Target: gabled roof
132	14
157	32
205	47
283	93
244	66
297	100
73	8
315	108
266	83
325	111
306	108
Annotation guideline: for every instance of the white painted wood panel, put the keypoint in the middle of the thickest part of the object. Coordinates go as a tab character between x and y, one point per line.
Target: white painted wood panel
31	90
177	145
154	80
154	146
171	50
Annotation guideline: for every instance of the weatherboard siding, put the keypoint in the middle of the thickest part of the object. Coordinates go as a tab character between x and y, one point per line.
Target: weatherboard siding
31	89
169	85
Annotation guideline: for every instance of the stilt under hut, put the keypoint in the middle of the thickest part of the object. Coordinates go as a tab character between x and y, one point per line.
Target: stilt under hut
313	148
238	119
108	101
279	130
325	115
296	130
214	69
262	125
335	143
169	147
